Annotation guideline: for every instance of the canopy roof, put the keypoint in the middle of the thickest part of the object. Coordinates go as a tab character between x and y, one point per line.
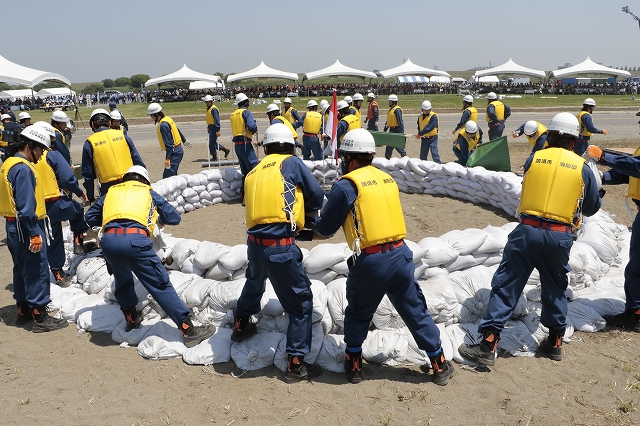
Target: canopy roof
409	68
55	91
203	85
17	74
589	67
14	94
486	79
183	74
511	68
338	69
262	71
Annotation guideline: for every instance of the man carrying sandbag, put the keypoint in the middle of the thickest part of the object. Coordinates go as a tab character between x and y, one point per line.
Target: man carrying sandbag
277	193
558	188
382	262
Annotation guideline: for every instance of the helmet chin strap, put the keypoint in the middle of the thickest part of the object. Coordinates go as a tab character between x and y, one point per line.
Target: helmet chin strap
34	160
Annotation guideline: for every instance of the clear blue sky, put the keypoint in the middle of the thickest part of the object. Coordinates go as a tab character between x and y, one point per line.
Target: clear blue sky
93	40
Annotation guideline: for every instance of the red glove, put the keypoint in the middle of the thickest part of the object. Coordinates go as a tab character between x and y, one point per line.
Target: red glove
218	134
167	163
604	132
418	136
84	198
36	244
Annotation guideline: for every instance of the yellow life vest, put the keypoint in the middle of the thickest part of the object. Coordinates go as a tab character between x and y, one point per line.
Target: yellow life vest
47	177
238	126
358	114
392	121
209	115
175	134
130	200
552	187
111	155
471	142
312	122
533	138
64	140
3	144
377	216
264	195
286	123
583	130
7	202
499	109
474	113
353	123
634	183
423	121
288	115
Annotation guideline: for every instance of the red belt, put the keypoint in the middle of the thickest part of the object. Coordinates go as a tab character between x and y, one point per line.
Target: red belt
52	199
127	231
546	225
10	219
310	134
383	247
269	242
242	142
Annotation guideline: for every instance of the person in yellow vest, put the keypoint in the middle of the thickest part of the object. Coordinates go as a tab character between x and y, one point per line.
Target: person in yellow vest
625	169
22	205
469	112
106	155
116	119
394	124
357	104
557	190
586	126
311	123
347	121
278	191
428	133
536	134
466	142
170	138
373	112
59	122
273	115
213	128
497	113
243	126
366	203
128	214
290	113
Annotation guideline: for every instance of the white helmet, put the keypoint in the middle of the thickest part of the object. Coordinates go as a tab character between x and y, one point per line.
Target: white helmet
491	96
393	98
38	135
154	108
323	103
278	133
140	171
5	117
102	111
46	127
325	108
241	97
589	101
426	105
371	95
59	116
115	115
564	123
358	141
342	105
272	107
470	127
530	127
358	97
312	103
208	98
23	116
468	98
348	99
287	100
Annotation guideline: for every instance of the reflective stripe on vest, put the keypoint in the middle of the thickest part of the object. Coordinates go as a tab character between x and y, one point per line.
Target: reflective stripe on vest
130	200
175	134
111	155
7	201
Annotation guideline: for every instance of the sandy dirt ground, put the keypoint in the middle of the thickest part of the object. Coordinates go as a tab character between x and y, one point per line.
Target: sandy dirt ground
69	378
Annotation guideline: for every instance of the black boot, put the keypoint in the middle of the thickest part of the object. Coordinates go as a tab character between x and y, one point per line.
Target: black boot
195	335
353	366
243	328
133	318
226	152
485	351
24	313
44	322
78	243
552	345
63	280
629	319
442	369
298	370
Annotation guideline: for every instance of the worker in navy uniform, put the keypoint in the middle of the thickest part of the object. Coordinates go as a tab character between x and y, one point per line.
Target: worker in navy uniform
536	134
22	204
349	101
394	124
382	262
123	121
497	113
428	133
59	122
6	109
346	122
212	118
273	115
278	191
468	139
469	112
586	126
170	138
106	155
243	126
128	214
290	113
625	169
558	188
24	118
311	123
356	105
373	113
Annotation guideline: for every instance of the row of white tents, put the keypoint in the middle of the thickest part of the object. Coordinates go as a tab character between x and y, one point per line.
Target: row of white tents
12	95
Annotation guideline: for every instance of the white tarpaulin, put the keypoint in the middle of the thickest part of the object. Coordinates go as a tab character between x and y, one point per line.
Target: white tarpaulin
13	73
510	68
262	71
337	69
409	68
589	67
183	74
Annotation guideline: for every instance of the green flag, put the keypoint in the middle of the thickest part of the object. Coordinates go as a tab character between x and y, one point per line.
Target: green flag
493	155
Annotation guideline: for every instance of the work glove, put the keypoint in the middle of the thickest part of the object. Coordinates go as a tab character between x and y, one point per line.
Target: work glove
453	132
514	135
604	132
36	244
167	163
594	152
187	144
84	198
218	134
418	136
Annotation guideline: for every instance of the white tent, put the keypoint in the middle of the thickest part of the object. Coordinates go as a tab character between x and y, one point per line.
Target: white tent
14	94
17	74
487	79
262	71
510	68
183	74
409	68
439	79
203	85
55	91
412	79
337	69
589	67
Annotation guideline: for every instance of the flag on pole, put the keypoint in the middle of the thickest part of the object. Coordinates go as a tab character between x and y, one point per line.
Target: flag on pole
332	125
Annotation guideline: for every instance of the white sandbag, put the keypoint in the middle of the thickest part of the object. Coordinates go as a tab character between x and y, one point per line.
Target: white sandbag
490	245
256	352
100	318
224	296
199	188
533	292
463	333
210	316
414	165
439	252
189	268
60	295
463	242
473	287
583	258
509	226
441	299
341	268
337	300
386	317
324	256
602	241
418	251
269	303
516	339
70	309
188	207
604	303
235	185
214	350
204	195
135	336
467	261
183	249
327	323
196	295
240	273
432	272
219	273
180	280
326	275
236	258
97	281
188	192
87	267
212	174
317	337
331	356
213	186
585	318
420	267
493	259
540	332
388	347
417	356
268	323
206	203
208	253
162	342
320	296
